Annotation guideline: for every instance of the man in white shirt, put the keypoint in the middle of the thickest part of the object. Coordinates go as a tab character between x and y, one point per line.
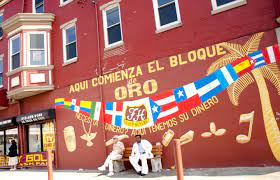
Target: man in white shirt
141	150
116	154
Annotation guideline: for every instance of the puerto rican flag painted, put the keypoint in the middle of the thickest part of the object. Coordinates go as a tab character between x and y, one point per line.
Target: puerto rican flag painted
167	102
226	76
114	113
271	54
187	97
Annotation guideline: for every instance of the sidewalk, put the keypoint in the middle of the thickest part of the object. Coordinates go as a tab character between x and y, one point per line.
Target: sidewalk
239	173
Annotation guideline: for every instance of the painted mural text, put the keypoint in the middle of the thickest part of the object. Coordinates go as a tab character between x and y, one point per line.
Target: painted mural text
137	89
86	119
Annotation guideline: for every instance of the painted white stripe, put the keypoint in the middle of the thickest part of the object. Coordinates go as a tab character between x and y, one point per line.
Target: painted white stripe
260	62
97	111
227	75
190	90
166	100
271	54
257	56
205	89
168	112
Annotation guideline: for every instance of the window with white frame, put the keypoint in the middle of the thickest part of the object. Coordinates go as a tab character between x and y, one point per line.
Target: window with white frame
37	49
64	2
112	25
69	42
223	5
166	12
38	6
1	21
15	52
1	70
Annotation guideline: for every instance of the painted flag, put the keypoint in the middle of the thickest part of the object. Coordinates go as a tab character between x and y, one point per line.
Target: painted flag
168	105
59	103
187	97
85	107
114	113
95	112
140	113
226	76
243	65
67	103
258	57
271	54
75	105
208	87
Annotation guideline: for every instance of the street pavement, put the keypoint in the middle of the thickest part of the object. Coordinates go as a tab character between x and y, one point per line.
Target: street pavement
238	173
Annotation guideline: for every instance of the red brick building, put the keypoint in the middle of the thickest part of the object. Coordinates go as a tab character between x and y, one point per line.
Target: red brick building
119	50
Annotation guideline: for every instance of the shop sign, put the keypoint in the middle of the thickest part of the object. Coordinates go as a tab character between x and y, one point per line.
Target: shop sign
3	161
34	159
38	116
7	122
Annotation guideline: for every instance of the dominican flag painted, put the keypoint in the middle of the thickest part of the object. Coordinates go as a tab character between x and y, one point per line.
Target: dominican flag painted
243	65
208	87
187	97
59	103
75	105
168	105
226	76
258	57
114	113
271	54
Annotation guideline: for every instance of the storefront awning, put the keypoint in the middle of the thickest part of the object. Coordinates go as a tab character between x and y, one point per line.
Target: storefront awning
8	122
37	116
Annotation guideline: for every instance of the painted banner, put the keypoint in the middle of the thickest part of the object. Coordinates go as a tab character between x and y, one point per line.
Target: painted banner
144	112
4	161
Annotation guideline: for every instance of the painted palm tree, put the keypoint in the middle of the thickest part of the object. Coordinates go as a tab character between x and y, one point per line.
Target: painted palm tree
270	72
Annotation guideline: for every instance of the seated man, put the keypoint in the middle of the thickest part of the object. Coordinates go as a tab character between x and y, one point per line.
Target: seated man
116	154
141	150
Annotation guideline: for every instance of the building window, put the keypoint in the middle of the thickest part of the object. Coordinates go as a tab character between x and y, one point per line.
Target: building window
38	6
167	13
112	26
37	49
41	137
69	43
15	52
5	140
1	71
1	21
223	5
65	2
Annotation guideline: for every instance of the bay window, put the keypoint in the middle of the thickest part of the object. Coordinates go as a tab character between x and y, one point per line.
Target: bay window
37	49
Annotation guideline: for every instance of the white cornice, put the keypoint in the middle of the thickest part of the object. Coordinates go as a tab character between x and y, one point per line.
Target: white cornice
23	19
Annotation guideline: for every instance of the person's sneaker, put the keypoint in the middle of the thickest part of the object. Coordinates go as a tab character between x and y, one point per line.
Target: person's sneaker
143	174
139	173
101	168
110	174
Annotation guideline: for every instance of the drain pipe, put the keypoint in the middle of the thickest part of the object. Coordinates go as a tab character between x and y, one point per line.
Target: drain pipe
100	73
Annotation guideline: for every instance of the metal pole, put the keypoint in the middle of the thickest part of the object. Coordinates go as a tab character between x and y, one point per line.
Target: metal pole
50	165
178	160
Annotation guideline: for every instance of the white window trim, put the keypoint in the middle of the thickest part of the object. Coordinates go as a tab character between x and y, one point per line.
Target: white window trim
217	9
28	48
2	59
61	3
106	41
33	6
169	26
64	27
10	52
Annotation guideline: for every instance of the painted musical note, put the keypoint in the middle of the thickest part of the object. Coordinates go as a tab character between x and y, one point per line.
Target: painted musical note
246	118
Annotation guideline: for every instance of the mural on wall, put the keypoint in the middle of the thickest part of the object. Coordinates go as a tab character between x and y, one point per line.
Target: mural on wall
270	72
161	112
213	131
